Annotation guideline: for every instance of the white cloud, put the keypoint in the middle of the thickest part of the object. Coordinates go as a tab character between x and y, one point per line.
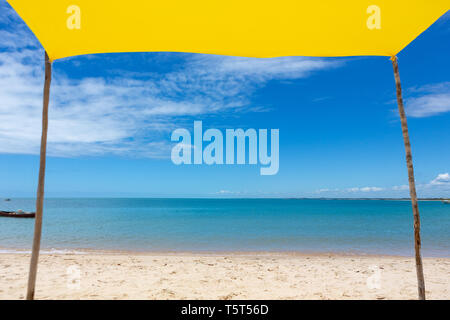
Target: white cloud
429	100
371	189
259	70
441	179
7	13
350	190
400	188
226	192
364	189
438	187
16	40
123	113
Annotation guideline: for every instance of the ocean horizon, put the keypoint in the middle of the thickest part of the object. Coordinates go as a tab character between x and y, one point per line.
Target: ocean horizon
351	226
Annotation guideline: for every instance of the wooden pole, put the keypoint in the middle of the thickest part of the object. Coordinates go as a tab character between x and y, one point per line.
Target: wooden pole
412	184
40	189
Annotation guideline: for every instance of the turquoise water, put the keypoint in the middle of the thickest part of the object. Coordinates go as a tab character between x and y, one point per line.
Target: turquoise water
352	226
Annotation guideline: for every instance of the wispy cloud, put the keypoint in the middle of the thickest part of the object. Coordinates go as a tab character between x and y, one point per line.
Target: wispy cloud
122	112
442	179
364	189
7	14
437	187
227	192
428	100
349	191
402	187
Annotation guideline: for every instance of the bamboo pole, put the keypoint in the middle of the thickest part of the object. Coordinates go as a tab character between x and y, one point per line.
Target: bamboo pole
412	184
40	189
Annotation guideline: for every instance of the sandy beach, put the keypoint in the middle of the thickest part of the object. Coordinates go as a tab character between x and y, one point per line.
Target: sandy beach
103	275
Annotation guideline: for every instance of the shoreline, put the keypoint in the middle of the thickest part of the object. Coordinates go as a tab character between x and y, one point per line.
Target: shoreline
290	253
235	275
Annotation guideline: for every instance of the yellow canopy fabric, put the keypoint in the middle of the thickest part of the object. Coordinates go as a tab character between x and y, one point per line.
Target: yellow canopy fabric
249	28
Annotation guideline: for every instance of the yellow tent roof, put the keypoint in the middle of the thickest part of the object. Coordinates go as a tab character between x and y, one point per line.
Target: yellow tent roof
250	28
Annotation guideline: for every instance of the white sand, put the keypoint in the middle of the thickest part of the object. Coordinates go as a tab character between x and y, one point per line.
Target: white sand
222	276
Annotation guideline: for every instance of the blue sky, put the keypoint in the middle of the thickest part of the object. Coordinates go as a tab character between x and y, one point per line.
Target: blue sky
112	115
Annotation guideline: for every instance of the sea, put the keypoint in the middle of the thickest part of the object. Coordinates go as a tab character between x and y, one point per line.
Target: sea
229	225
